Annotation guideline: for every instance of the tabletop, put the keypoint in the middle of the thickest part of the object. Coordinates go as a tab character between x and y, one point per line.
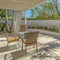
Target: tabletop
23	32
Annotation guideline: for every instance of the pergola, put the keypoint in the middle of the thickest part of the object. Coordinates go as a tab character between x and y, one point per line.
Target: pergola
18	6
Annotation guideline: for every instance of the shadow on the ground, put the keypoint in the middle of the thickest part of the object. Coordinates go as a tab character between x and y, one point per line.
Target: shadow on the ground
44	51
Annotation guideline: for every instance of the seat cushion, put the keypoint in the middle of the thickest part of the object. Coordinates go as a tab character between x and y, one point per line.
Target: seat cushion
16	37
11	39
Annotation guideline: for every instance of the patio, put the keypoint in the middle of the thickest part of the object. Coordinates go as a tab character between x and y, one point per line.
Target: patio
48	48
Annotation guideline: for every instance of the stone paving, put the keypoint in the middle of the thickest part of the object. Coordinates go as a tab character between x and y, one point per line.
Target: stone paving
47	44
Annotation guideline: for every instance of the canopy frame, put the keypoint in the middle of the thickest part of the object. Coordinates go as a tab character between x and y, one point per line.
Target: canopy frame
20	5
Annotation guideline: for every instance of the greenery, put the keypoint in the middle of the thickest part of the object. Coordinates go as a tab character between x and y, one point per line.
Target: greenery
2	26
52	28
47	11
3	16
2	13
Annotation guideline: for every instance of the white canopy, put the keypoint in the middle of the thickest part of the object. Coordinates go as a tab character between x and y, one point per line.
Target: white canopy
19	4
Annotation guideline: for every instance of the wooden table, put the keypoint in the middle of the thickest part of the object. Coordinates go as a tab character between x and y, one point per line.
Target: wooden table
22	33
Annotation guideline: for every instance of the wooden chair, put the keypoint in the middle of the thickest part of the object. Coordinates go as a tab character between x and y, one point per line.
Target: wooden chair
22	27
30	39
13	38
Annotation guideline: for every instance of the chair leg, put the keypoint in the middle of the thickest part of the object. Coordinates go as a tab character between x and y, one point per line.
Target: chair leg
22	46
36	48
33	46
7	43
25	49
18	44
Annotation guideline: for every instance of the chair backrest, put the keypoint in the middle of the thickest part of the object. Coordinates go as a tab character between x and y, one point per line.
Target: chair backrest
22	28
31	37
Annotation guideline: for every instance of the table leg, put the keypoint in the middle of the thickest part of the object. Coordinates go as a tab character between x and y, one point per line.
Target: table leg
22	45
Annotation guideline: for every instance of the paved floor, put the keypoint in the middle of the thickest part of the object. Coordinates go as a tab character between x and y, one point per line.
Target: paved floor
51	44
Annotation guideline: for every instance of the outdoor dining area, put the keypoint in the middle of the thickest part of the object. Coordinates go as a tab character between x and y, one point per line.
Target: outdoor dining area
30	44
23	43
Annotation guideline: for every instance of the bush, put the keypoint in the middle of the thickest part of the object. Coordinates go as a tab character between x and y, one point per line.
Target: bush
2	26
41	27
52	28
46	27
29	27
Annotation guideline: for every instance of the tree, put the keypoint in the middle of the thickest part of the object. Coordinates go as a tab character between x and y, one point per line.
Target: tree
2	13
56	6
35	12
48	10
7	14
44	11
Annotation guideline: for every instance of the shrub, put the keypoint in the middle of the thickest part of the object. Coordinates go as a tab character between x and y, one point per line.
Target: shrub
29	27
41	27
52	28
46	27
2	26
38	27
